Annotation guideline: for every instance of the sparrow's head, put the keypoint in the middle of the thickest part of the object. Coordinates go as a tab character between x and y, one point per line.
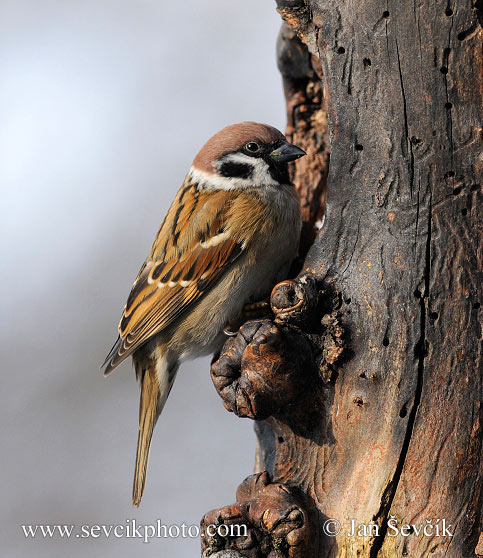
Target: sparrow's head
244	155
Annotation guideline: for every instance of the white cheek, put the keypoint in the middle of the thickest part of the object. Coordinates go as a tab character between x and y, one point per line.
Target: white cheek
260	175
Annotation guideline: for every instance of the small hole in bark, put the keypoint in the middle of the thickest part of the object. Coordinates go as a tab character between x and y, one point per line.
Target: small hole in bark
444	70
475	188
359	147
280	440
449	174
464	211
456	191
448	106
448	12
366	62
385	13
341	50
385	341
404	411
359	402
417	293
348	300
476	305
363	375
434	315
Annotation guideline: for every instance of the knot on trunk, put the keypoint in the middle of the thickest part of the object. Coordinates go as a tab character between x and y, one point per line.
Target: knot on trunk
267	520
294	302
272	367
263	369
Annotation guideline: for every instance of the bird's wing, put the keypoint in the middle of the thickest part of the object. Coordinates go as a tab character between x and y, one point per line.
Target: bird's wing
196	244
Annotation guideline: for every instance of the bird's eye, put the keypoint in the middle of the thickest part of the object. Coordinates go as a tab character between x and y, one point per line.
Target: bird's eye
252	147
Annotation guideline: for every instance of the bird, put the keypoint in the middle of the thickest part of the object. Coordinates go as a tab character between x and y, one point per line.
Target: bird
230	234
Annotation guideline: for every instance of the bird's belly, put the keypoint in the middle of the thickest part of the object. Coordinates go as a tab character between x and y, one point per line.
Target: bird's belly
200	331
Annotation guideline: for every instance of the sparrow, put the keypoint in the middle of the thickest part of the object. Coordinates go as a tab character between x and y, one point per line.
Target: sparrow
230	234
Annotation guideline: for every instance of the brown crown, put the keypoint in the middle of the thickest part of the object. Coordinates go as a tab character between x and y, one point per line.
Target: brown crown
231	139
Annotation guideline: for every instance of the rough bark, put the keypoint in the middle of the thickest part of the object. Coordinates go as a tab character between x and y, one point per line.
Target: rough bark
397	428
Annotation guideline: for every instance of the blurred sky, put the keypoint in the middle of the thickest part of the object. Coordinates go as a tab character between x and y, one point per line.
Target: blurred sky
103	105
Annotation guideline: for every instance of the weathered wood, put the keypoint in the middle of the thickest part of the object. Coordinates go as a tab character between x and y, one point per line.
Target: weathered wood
275	519
392	424
402	82
306	127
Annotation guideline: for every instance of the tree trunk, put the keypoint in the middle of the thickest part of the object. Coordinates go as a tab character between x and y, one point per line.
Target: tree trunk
399	432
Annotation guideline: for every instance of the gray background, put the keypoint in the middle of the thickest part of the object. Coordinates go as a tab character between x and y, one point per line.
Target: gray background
103	105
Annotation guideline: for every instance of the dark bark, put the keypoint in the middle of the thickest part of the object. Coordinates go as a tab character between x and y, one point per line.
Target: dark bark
277	522
306	127
391	426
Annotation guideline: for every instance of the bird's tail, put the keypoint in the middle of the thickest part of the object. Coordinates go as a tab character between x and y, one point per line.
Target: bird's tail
156	383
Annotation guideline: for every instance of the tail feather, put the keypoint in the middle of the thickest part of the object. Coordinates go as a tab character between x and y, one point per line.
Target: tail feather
155	388
147	419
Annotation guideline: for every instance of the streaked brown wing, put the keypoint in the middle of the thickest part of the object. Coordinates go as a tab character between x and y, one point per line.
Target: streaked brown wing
192	250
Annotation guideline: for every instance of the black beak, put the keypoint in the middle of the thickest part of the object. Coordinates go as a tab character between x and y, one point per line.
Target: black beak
287	152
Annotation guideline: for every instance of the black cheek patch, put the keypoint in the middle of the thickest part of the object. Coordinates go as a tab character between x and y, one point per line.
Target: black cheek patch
231	169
